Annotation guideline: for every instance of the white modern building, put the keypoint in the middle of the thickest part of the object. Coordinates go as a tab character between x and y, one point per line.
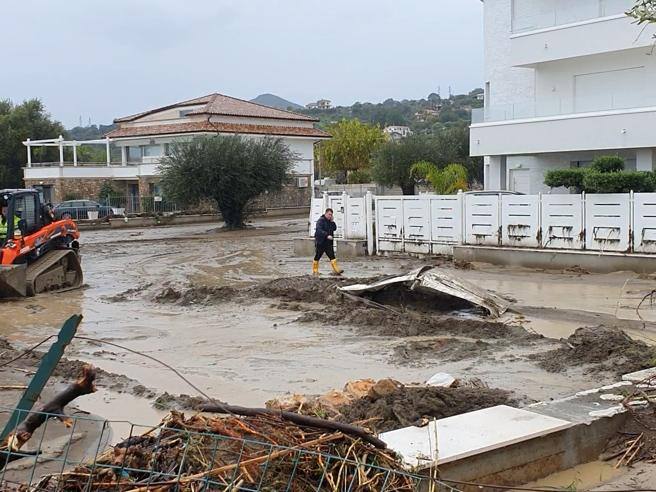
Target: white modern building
133	150
397	132
565	81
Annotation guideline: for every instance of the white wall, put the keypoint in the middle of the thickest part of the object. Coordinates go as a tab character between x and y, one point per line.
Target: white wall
601	35
595	83
508	85
610	130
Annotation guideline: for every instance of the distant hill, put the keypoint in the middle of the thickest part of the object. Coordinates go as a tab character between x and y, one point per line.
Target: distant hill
92	132
275	102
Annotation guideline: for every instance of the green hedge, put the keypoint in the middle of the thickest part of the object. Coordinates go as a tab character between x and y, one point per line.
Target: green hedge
569	178
608	164
619	182
605	175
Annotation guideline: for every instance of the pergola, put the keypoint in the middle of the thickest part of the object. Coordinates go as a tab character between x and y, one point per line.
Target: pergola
61	143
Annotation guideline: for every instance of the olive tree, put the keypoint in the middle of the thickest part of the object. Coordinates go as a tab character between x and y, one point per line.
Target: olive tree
231	170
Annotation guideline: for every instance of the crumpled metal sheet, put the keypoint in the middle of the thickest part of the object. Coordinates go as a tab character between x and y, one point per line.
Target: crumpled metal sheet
432	280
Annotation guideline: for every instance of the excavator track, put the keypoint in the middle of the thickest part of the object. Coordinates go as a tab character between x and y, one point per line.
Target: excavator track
57	271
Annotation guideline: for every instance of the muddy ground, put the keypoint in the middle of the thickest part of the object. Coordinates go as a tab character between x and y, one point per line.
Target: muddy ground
238	315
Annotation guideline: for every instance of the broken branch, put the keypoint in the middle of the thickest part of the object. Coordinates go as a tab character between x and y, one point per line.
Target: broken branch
303	420
54	408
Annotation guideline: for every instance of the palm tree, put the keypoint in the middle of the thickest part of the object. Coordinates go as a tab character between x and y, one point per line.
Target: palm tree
447	181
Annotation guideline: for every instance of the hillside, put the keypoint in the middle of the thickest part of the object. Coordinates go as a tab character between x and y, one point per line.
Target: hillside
92	132
421	115
276	102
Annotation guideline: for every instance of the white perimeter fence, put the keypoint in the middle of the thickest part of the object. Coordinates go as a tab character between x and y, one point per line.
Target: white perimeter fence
433	224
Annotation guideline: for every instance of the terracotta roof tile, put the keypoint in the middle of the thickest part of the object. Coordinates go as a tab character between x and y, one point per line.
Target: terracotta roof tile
218	104
207	127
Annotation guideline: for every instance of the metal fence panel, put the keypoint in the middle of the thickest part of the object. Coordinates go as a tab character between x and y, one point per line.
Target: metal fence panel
417	224
562	222
389	223
644	222
520	220
317	208
336	202
356	218
446	219
482	219
608	222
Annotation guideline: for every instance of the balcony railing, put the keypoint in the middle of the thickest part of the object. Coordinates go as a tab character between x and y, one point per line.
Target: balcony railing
561	107
526	18
81	164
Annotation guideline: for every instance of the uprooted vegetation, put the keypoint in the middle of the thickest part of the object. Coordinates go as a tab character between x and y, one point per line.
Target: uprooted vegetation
599	349
234	453
387	404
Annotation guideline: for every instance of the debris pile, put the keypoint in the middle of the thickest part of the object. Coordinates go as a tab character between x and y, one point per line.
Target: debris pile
260	452
388	404
601	349
636	441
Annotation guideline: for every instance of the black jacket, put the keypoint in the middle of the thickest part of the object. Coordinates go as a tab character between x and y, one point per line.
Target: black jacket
324	229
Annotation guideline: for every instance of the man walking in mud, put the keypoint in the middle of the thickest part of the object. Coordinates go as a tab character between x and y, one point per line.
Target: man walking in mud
323	242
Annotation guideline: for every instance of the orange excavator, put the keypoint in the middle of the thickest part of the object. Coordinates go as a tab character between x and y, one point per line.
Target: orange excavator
38	253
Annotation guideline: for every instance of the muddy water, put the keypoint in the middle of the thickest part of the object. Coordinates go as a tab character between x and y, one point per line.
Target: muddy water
250	352
581	477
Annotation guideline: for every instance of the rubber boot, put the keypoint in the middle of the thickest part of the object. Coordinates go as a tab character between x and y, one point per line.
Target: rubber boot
336	269
315	268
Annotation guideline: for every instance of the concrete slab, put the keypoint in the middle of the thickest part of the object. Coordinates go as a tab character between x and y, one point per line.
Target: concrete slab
454	438
557	259
640	376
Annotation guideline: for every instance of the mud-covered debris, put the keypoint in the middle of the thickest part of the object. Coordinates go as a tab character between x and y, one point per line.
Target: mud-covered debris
418	352
439	287
416	405
201	295
601	349
167	401
388	405
257	453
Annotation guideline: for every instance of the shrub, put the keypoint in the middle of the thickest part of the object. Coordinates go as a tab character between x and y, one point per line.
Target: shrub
359	176
619	182
569	178
108	193
608	164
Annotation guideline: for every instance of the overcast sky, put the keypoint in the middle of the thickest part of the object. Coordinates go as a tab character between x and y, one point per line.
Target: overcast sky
104	59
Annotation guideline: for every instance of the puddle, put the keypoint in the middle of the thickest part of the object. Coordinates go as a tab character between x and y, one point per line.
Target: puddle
128	414
581	477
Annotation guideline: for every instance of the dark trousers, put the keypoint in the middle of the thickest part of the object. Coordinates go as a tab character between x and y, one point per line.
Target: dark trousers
325	247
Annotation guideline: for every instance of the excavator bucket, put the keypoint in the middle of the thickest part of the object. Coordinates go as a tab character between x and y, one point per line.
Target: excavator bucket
13	280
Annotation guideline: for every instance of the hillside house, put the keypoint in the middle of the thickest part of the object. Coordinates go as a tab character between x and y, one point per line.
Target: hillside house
133	150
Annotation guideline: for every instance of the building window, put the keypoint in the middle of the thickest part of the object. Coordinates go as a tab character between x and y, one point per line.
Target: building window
152	151
185	112
134	154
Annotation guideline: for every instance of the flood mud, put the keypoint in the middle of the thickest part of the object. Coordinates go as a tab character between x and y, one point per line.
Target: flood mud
599	349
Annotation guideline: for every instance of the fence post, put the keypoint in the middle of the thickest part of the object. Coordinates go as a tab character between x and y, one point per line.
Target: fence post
539	238
631	221
463	221
584	233
369	211
347	232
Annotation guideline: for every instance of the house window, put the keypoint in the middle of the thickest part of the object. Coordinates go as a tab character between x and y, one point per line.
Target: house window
185	112
152	151
134	154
